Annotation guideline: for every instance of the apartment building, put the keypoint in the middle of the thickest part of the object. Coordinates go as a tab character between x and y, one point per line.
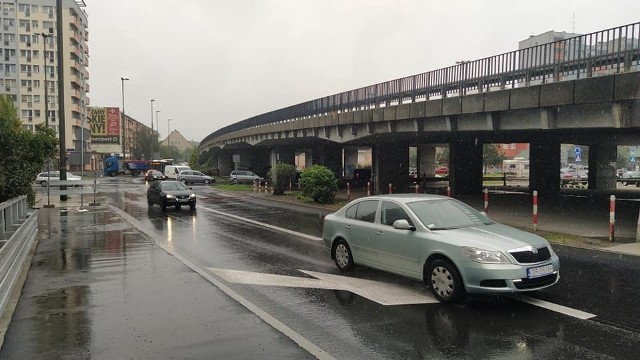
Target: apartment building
29	66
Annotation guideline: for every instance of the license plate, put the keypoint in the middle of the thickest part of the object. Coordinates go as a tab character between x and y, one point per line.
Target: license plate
539	271
183	200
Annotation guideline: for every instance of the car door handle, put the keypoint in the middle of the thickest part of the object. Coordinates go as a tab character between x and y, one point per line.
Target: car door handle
380	233
348	227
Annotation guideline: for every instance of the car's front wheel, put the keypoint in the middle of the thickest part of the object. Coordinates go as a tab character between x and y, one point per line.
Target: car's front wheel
342	255
43	183
207	181
445	282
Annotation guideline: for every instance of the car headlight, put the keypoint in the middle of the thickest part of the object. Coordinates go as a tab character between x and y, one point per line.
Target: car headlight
192	196
169	196
485	256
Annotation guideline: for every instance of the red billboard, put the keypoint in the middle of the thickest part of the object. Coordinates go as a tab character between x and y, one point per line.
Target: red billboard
105	125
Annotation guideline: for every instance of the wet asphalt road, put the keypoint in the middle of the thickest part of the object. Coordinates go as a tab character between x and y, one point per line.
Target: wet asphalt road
346	325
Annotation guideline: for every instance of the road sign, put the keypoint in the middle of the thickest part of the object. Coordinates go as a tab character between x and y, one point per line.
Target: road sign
578	154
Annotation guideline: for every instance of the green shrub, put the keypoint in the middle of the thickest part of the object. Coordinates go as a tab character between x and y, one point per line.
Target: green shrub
285	174
319	183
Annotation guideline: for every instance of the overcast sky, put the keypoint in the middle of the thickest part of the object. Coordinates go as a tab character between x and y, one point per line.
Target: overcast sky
210	63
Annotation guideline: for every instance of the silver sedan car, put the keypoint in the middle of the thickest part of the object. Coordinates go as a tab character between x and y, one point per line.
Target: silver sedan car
453	248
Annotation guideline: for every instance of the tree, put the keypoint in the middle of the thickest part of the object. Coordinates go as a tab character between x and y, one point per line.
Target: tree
319	183
193	159
22	153
281	176
492	155
170	152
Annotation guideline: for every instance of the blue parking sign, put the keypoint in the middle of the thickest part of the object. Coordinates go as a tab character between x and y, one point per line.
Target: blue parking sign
578	153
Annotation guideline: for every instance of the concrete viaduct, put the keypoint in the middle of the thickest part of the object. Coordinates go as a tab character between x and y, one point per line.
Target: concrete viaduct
544	96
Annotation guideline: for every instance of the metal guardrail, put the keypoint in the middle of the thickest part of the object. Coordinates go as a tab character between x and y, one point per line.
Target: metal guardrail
19	229
607	52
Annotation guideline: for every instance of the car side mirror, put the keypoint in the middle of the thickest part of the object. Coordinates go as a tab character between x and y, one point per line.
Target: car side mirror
403	224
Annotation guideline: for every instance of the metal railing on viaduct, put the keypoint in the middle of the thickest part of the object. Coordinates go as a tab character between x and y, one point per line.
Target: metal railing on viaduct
610	51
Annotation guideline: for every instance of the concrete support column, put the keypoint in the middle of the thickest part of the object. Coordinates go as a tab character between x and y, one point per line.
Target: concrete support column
330	156
544	166
465	167
350	161
602	166
391	165
426	160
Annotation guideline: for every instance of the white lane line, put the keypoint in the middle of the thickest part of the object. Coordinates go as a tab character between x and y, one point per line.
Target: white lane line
275	323
376	291
268	226
554	307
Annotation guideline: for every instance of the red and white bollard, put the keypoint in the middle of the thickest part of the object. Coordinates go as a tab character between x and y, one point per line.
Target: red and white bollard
612	217
486	201
390	188
535	210
348	192
449	191
368	188
417	189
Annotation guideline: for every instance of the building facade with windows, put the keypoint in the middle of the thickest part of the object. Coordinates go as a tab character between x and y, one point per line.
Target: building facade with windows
29	67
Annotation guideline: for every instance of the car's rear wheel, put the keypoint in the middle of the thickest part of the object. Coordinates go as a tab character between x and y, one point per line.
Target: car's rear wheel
207	181
342	255
445	282
184	181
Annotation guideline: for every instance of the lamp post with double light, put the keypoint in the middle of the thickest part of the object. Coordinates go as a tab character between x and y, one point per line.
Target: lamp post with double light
124	146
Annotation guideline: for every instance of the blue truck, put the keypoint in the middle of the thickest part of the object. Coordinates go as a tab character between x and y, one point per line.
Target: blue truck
114	165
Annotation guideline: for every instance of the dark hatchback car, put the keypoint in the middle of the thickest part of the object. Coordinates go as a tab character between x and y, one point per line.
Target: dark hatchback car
153	175
170	193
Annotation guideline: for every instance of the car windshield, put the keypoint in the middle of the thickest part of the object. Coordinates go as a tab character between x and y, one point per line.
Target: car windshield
447	214
169	186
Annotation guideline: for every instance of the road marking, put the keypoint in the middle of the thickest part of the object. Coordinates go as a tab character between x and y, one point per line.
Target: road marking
554	307
379	292
268	226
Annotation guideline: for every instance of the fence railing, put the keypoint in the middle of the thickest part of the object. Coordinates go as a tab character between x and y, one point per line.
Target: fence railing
603	52
18	232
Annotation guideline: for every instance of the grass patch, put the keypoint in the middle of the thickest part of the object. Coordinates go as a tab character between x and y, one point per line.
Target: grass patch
233	187
574	240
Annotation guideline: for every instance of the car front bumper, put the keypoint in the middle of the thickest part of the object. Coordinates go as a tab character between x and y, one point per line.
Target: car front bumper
507	278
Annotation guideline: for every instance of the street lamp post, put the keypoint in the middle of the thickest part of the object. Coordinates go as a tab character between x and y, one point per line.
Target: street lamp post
168	132
44	71
123	79
152	100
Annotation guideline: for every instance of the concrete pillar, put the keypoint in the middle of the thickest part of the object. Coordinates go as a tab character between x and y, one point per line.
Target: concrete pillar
544	166
350	161
330	156
426	160
465	167
602	166
391	165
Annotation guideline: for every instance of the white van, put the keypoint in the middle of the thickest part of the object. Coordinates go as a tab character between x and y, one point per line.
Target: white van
172	171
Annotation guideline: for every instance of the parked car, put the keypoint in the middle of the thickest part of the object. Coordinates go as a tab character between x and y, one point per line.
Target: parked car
44	177
194	176
153	175
170	193
631	178
453	248
240	176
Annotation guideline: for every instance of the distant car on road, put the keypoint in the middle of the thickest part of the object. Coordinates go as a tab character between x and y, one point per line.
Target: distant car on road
194	176
243	176
170	193
153	175
447	244
631	178
44	177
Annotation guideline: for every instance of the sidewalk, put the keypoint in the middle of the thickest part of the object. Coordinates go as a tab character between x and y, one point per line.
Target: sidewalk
98	288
